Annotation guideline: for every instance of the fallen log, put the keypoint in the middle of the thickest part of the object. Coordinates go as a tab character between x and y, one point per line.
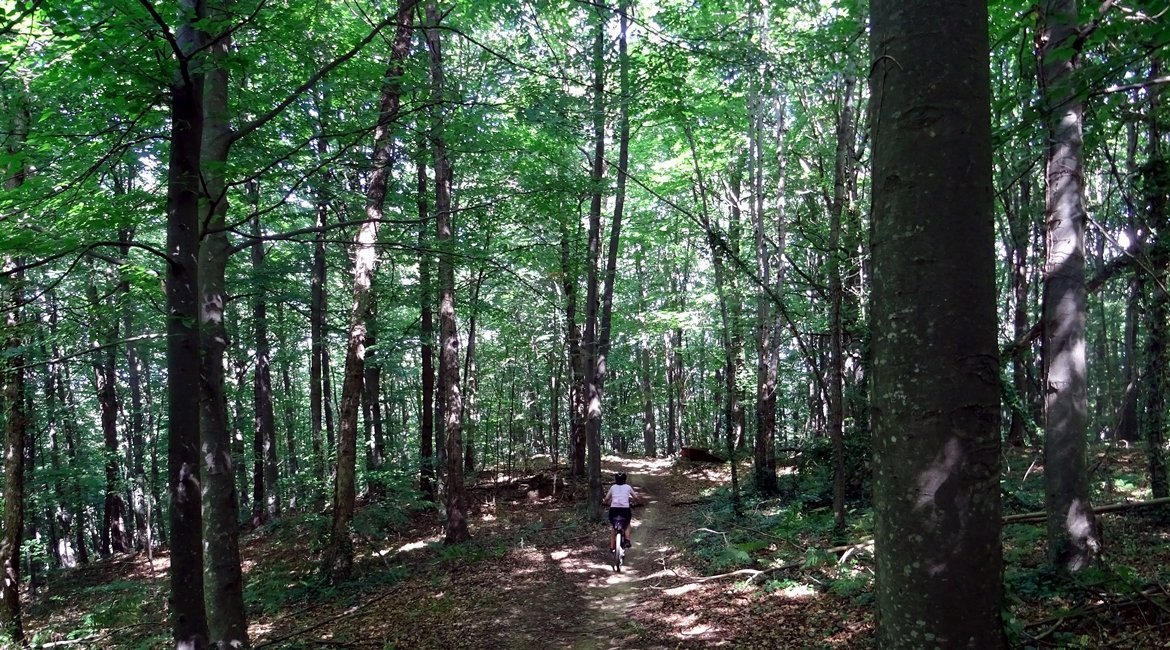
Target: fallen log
700	455
1039	516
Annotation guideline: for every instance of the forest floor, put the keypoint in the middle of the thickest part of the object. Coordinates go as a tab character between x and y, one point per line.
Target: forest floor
537	574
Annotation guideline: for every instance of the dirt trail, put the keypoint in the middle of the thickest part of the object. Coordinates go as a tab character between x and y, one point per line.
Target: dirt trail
613	596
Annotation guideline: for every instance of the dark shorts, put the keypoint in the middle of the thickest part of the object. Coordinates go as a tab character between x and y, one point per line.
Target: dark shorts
620	513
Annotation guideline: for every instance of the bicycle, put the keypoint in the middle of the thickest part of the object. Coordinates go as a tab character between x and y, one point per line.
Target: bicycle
619	550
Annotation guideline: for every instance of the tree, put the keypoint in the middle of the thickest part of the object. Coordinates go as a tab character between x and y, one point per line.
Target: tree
1073	538
935	388
188	619
265	499
455	499
339	555
15	425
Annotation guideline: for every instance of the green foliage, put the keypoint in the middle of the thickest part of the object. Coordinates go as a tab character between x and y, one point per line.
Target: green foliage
472	551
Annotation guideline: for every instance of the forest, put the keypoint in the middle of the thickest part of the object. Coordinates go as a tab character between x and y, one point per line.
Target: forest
327	323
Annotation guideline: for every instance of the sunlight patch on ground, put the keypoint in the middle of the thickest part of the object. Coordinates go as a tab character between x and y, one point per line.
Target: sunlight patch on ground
680	590
641	465
799	592
412	546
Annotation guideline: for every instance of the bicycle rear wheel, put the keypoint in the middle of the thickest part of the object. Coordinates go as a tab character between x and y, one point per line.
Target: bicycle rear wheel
619	553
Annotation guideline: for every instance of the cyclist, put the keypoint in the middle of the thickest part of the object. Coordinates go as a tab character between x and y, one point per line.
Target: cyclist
619	499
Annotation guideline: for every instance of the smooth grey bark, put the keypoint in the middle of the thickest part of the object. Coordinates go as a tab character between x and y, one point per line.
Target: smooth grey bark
935	380
188	620
1074	540
339	554
223	576
455	499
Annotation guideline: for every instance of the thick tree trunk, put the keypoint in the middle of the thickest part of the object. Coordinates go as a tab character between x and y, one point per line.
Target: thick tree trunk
935	367
455	500
339	554
15	425
226	619
1157	352
188	621
1073	537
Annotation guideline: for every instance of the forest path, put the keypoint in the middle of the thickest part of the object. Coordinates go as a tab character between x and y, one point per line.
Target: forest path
612	596
536	574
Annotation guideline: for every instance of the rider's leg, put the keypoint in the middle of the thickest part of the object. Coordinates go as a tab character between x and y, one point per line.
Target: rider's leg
626	536
612	539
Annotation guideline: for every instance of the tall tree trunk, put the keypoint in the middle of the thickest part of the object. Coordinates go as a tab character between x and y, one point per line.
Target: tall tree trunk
725	378
426	336
188	621
766	361
836	396
1019	227
455	523
113	534
1073	537
15	105
471	378
15	427
139	501
645	378
1157	177
289	418
591	343
372	408
615	229
339	554
64	553
318	311
265	497
226	620
576	358
935	367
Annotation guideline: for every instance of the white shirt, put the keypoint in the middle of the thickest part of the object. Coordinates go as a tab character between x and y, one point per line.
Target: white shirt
619	496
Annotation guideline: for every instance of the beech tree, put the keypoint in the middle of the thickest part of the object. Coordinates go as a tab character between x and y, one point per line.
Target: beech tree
339	555
1073	538
935	363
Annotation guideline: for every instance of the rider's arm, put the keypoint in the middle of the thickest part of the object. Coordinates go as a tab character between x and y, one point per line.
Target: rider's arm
608	494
